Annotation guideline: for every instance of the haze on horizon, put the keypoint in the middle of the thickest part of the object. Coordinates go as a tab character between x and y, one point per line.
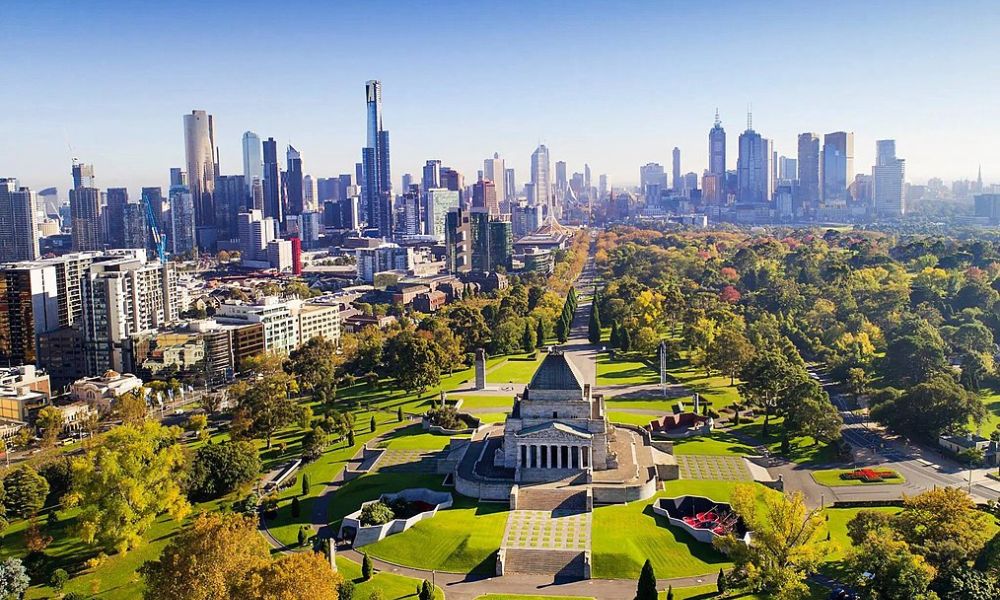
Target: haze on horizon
615	86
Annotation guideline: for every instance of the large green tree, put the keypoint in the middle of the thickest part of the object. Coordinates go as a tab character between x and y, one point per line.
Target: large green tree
885	569
24	492
314	362
220	468
125	482
266	401
412	361
929	408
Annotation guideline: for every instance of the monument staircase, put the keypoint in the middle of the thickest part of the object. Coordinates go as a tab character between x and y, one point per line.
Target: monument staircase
545	497
559	563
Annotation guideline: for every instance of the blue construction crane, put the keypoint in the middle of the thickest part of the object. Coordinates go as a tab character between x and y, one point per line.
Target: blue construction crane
158	239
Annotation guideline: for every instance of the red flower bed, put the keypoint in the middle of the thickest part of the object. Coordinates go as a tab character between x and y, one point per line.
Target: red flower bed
868	475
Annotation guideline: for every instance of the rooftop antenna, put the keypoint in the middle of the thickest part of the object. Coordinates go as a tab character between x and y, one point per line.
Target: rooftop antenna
749	117
717	121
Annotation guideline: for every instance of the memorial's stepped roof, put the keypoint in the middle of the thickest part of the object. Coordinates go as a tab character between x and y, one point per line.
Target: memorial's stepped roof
557	372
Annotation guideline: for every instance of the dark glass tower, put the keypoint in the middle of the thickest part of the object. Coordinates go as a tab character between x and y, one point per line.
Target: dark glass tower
376	187
272	182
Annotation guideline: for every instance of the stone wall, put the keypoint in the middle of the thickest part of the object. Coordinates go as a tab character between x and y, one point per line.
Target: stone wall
373	533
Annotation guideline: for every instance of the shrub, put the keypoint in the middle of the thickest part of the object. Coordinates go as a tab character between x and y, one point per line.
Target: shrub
367	568
58	579
376	513
296	509
345	590
869	475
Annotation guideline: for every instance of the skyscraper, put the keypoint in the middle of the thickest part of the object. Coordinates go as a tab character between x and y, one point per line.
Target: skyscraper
376	183
887	180
675	181
808	170
752	171
202	169
541	179
114	217
85	208
509	185
253	159
273	207
838	166
717	148
294	197
431	176
561	180
231	198
788	168
18	225
493	169
484	195
652	179
182	221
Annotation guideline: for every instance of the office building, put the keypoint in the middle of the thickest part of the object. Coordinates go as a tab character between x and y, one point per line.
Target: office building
494	170
178	177
431	175
153	196
717	148
273	203
182	221
525	219
18	222
409	222
788	168
561	181
253	160
309	198
509	185
279	255
752	167
280	325
438	202
306	227
231	198
255	233
134	227
484	195
541	180
888	175
808	171
29	306
838	167
202	167
114	217
376	180
652	179
343	213
452	180
675	181
83	175
294	196
477	242
384	257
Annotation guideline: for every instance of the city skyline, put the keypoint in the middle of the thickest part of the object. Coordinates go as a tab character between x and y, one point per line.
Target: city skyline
935	103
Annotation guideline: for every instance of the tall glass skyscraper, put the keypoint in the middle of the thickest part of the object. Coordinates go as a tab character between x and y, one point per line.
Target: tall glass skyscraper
838	166
541	179
717	148
808	191
253	160
376	185
752	170
887	180
272	182
293	182
199	152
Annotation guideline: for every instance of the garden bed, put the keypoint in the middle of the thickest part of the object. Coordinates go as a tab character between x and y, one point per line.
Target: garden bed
401	510
862	476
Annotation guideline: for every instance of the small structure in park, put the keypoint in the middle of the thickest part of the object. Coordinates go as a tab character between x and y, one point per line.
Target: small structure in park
480	369
703	518
680	425
404	509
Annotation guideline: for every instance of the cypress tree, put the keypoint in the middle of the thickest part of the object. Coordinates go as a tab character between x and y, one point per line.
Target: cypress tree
305	484
615	338
646	589
367	568
625	340
296	510
561	329
670	592
373	423
721	582
594	328
540	334
527	342
399	414
303	536
426	591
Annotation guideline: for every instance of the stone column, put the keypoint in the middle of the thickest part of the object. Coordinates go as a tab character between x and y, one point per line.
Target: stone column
534	456
559	460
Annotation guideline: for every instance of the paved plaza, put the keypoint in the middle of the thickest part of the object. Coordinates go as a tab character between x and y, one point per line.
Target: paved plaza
725	468
545	530
408	461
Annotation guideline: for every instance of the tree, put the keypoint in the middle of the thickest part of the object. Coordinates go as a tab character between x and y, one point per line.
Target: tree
885	569
625	339
345	590
912	359
540	334
808	412
562	328
49	422
944	526
131	408
124	483
857	381
303	533
594	326
197	422
787	541
646	588
412	360
314	362
367	568
300	575
372	424
267	402
399	414
969	584
24	492
426	591
670	592
720	582
305	484
221	468
527	337
729	352
14	580
766	379
305	416
929	408
313	444
58	579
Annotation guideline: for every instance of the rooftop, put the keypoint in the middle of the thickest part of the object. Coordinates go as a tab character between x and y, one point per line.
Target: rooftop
557	372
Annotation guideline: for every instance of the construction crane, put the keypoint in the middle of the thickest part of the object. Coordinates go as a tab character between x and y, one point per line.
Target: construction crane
159	240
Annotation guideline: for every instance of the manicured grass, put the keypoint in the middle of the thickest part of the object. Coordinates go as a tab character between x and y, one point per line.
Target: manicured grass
491	417
517	369
664	405
521	597
715	388
472	402
630	418
991	398
391	585
619	372
412	437
802	450
831	478
834	565
718	443
462	539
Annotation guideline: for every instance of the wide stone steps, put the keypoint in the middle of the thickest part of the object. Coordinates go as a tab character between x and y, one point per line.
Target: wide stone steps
544	498
560	563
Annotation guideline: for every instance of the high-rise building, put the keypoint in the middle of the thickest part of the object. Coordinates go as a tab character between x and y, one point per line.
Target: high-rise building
202	167
309	194
255	232
602	185
675	180
28	307
294	197
438	202
253	159
509	185
484	195
114	217
452	180
475	241
561	181
838	166
494	169
124	296
231	198
85	208
134	228
410	223
18	222
178	177
788	168
887	180
652	179
717	148
808	171
376	181
273	205
154	197
182	221
541	179
431	175
752	170
586	179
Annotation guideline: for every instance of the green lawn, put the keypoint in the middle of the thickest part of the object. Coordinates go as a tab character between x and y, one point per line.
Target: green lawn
521	597
517	369
991	398
491	417
619	372
831	478
715	388
630	418
462	539
718	443
391	585
802	450
664	405
471	402
413	437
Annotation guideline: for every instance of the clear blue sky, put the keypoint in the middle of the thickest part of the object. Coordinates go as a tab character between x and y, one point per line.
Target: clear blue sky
613	84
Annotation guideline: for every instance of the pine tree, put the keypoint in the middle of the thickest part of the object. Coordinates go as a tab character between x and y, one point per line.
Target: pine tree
426	591
305	484
670	592
399	414
646	589
562	329
721	582
350	437
527	342
615	339
540	334
372	424
303	536
625	340
367	568
594	328
296	509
